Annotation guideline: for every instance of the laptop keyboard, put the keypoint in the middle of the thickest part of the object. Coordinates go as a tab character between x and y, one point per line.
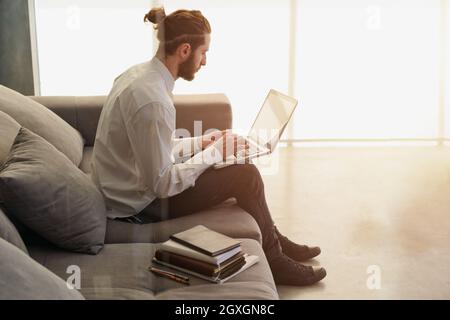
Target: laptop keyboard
252	150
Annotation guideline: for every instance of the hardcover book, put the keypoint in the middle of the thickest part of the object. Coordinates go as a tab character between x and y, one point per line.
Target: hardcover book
199	266
221	278
178	248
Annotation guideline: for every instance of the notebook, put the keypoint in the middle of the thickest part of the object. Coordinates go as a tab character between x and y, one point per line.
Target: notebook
205	240
199	266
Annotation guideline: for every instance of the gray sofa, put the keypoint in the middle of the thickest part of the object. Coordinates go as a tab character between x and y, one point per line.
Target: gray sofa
119	270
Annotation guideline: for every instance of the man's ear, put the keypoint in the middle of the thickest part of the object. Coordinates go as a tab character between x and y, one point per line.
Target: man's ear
184	51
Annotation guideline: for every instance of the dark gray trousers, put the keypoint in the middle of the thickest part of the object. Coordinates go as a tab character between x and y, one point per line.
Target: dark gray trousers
241	181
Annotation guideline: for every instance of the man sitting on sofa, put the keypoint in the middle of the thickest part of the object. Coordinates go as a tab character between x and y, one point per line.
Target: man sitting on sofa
134	160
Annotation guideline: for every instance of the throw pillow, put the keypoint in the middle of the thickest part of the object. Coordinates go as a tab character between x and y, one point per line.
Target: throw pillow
45	191
44	122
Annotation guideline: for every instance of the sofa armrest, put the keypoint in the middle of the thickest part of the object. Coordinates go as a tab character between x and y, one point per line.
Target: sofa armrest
83	113
213	110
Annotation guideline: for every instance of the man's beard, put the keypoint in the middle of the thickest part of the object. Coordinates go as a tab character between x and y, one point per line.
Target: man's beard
187	69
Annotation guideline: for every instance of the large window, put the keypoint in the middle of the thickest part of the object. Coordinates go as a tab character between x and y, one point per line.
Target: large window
83	45
361	69
249	52
367	69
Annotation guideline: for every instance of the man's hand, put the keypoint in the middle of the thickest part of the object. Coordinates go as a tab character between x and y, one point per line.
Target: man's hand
212	137
227	142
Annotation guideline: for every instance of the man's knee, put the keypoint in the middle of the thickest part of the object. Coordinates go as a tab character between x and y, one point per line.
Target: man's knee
250	175
250	169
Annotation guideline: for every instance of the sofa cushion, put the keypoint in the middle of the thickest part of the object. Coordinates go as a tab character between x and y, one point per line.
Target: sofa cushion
9	128
243	290
42	189
122	268
227	219
116	294
43	122
9	232
22	278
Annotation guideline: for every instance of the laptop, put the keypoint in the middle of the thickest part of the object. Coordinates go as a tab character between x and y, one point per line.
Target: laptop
267	128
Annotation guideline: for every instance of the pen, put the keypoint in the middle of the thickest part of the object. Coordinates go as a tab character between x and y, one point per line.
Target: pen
170	275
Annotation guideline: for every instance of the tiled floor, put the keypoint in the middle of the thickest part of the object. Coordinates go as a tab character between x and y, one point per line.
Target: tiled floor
380	215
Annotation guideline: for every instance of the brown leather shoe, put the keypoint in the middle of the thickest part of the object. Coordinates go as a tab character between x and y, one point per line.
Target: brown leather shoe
286	271
295	251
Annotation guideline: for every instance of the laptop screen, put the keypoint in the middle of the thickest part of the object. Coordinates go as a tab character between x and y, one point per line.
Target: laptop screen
272	119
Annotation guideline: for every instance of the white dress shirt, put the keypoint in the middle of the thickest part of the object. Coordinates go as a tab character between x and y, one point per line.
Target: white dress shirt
136	158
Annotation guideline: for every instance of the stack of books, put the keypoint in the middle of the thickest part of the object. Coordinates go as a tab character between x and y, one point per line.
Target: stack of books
204	253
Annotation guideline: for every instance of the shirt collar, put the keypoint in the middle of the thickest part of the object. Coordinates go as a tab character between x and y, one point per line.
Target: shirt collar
165	73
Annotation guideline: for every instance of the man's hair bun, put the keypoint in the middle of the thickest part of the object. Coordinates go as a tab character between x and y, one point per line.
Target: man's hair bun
181	26
156	15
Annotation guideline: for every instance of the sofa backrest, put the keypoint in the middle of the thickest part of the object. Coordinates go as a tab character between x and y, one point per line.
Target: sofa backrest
83	113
